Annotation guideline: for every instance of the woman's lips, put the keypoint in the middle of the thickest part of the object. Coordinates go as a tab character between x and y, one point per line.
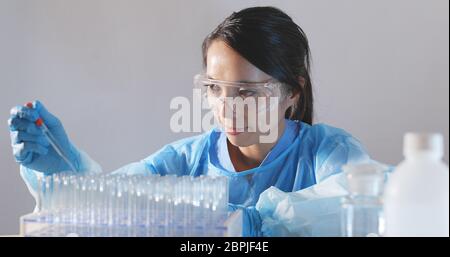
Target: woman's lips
234	131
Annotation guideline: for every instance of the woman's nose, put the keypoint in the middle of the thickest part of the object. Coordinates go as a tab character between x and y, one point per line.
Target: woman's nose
227	108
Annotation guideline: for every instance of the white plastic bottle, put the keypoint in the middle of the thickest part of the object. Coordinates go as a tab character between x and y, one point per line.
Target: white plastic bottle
416	198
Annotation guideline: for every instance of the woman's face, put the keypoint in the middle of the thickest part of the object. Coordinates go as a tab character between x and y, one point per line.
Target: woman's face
224	63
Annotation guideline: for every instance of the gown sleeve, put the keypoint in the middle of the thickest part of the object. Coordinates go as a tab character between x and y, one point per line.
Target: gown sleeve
314	211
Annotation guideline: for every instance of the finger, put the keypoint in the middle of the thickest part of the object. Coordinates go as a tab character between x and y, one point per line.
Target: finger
27	160
18	137
19	154
19	124
49	119
25	113
21	150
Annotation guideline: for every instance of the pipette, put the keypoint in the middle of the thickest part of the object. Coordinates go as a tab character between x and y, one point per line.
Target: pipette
52	140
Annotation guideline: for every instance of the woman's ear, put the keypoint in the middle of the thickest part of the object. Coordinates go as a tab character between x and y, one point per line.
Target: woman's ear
294	97
301	81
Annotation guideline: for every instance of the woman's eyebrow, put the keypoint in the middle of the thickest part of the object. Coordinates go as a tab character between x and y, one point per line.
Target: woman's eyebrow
239	81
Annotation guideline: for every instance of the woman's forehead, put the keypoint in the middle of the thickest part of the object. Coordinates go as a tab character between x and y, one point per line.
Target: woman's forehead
224	63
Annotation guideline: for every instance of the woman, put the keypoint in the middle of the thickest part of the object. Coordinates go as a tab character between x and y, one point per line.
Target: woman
255	52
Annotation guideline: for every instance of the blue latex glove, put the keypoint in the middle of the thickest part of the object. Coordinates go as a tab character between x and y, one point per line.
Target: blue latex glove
31	148
251	223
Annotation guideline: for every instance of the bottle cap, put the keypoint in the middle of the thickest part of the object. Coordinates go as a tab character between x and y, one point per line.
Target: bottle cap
414	143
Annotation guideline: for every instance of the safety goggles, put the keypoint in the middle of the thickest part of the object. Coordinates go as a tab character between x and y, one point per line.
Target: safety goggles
216	91
219	92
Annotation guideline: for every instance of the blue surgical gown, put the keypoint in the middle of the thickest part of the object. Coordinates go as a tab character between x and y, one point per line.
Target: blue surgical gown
303	156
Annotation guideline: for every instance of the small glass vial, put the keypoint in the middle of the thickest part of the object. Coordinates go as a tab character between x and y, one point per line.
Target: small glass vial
362	208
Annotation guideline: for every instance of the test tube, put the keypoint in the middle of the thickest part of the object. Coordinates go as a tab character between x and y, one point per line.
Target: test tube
101	211
131	206
66	200
150	206
55	197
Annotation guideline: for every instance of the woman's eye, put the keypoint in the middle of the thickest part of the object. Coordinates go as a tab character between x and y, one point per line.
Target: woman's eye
247	93
213	87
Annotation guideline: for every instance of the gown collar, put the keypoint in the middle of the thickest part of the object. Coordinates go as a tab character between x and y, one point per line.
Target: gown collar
220	158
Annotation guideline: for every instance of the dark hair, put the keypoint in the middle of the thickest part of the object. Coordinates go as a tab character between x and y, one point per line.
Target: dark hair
270	40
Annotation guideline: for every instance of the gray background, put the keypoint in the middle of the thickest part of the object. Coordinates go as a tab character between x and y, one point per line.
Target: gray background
109	69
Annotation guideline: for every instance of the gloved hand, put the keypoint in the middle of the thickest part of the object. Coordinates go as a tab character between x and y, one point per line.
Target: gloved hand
31	148
313	211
